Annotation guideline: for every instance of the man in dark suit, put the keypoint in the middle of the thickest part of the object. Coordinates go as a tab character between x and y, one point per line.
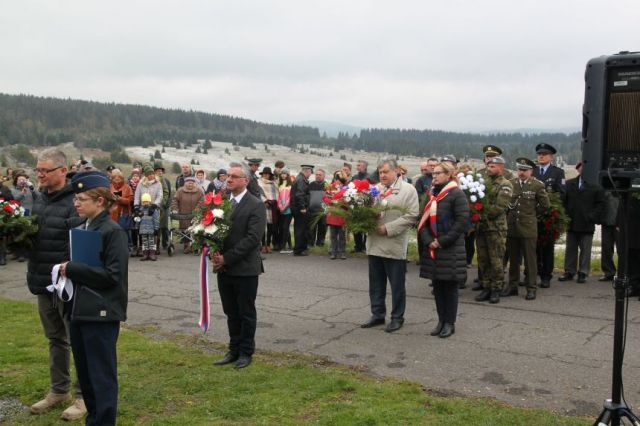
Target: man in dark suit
239	265
553	179
300	199
584	203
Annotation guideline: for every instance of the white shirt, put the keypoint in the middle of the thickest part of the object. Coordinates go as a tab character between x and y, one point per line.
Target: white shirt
238	197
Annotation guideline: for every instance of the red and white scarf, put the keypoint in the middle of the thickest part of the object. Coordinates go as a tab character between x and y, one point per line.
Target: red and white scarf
429	214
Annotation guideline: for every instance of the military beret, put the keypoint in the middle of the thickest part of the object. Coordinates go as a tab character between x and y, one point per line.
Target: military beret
147	169
524	163
85	181
254	160
450	158
158	166
490	150
545	148
306	166
496	160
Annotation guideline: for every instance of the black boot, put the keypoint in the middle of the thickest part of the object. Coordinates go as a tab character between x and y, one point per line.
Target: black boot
484	295
494	296
447	330
3	256
436	331
509	291
476	286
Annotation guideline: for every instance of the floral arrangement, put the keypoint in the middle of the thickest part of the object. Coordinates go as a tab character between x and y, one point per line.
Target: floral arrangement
554	222
359	203
476	189
15	225
210	224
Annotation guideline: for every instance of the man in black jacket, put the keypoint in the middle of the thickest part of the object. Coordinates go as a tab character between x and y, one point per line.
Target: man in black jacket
317	232
553	179
584	203
56	215
239	265
300	199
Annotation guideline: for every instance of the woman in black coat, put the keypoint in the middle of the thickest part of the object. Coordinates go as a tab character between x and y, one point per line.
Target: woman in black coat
441	246
99	301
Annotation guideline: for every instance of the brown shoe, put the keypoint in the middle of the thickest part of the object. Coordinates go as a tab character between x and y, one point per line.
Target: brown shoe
152	255
145	256
50	401
75	411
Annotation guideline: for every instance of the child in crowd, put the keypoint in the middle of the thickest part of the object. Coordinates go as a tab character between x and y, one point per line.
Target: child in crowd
148	218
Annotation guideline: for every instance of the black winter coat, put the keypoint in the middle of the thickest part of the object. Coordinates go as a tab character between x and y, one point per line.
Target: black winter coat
56	215
450	263
101	292
300	195
584	207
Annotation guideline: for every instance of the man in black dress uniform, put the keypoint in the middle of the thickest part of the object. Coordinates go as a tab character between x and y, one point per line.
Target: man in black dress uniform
554	181
239	265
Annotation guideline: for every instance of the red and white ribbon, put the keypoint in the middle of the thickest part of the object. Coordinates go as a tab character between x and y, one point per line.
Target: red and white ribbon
203	323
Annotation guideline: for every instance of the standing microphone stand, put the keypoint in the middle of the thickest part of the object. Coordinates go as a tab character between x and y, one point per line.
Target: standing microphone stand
615	408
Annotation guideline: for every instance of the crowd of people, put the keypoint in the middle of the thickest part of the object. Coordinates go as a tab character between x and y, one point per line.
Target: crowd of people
265	203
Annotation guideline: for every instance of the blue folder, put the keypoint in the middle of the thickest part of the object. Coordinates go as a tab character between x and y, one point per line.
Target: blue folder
86	246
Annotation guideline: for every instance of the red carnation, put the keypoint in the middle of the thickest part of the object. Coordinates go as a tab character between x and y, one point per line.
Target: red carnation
326	200
555	214
208	198
208	218
7	208
475	217
339	194
15	202
478	206
361	185
217	199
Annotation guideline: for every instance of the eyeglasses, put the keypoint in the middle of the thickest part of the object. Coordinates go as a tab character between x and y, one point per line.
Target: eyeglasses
81	199
235	177
46	171
438	173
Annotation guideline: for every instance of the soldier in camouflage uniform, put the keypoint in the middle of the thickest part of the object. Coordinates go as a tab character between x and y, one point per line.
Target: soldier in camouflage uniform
492	233
529	200
489	152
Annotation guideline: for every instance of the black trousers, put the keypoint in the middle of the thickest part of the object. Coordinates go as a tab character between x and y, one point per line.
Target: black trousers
94	353
634	268
382	269
545	260
470	246
300	232
609	241
285	231
318	233
360	242
238	297
446	297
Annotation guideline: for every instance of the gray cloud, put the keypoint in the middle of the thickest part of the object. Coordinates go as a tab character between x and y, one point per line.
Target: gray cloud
422	64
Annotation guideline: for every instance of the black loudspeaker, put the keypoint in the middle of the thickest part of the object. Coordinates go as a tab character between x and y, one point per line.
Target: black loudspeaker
611	121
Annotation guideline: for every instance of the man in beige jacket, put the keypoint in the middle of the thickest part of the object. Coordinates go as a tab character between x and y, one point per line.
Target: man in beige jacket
387	247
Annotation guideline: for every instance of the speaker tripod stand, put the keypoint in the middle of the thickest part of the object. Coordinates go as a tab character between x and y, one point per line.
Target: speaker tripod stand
615	409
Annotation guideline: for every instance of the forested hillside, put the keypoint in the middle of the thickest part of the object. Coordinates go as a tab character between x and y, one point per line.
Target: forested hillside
37	121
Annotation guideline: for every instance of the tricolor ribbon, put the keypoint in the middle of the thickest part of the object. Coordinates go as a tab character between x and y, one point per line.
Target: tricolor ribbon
203	323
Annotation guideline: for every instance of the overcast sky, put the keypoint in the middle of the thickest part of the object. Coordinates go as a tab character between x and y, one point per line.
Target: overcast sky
454	65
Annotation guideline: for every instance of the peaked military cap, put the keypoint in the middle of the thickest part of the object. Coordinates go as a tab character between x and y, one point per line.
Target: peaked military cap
523	163
306	166
84	181
254	160
450	158
496	160
490	150
545	148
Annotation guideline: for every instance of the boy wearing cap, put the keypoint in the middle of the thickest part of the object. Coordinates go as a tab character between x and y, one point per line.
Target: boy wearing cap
99	299
554	181
528	201
584	204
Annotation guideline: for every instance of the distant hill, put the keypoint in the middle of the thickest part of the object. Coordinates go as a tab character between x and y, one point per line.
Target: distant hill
38	121
331	128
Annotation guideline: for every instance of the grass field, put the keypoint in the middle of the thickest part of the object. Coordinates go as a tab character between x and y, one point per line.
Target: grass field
170	380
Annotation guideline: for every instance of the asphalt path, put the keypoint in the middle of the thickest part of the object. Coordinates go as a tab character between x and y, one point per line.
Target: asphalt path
554	352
